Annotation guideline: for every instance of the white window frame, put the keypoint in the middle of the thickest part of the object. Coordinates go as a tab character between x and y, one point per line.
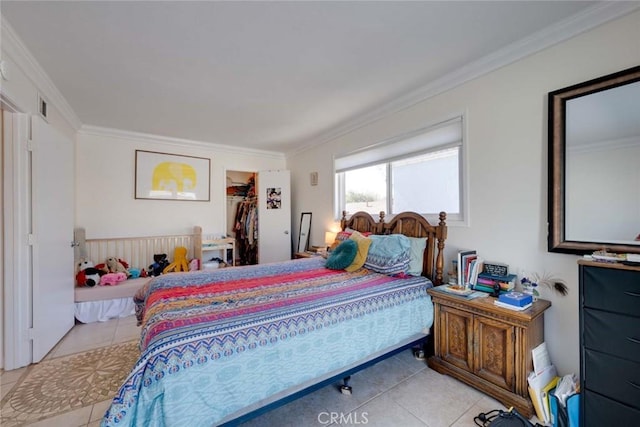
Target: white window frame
377	154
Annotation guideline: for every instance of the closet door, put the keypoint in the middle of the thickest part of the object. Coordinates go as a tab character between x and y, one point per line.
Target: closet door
273	189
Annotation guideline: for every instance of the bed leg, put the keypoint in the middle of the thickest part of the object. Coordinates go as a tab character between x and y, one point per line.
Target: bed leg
425	349
418	352
346	388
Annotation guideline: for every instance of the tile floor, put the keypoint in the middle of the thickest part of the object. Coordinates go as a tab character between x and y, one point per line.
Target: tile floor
398	391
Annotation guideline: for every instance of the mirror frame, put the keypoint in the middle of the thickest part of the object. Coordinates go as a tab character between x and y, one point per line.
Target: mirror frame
307	232
557	152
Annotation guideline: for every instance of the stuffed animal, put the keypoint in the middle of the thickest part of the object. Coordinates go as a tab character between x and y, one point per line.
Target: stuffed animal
115	266
179	261
112	278
87	274
159	263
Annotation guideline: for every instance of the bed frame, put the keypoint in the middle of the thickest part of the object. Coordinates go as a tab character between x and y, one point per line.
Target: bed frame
410	224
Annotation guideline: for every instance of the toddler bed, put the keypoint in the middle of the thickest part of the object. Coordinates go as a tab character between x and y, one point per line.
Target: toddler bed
220	347
101	303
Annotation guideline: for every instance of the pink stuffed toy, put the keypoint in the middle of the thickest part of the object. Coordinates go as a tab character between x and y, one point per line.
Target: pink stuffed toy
112	278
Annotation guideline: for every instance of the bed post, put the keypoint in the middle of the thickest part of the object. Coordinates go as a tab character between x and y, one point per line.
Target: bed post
197	245
343	221
441	235
380	229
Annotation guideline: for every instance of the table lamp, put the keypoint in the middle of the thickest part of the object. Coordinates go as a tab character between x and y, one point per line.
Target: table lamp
329	238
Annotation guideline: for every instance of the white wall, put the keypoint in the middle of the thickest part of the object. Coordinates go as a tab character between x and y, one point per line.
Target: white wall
506	118
105	203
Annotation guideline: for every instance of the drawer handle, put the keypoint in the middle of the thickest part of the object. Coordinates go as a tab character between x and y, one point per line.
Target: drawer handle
632	294
634	384
635	340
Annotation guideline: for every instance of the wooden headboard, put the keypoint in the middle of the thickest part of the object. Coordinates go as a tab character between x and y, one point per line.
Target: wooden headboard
410	224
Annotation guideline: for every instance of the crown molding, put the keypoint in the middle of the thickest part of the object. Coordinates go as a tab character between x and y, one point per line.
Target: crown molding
179	142
584	21
15	48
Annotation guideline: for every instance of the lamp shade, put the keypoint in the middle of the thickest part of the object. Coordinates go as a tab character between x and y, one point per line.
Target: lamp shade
329	237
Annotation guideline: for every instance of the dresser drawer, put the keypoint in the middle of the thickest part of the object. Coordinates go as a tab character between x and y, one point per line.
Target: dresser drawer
616	378
611	290
612	333
600	411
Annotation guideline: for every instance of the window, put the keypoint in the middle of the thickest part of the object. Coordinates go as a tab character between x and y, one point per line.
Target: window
419	172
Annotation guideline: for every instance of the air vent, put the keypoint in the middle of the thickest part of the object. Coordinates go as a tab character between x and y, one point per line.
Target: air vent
42	106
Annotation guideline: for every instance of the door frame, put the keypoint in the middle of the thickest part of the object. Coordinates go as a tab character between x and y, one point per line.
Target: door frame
16	346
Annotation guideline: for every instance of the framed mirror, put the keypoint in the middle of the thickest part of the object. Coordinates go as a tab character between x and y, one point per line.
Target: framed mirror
594	165
305	231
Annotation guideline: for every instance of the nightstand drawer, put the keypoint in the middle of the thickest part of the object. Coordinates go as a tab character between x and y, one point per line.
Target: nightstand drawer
600	411
614	377
611	290
612	333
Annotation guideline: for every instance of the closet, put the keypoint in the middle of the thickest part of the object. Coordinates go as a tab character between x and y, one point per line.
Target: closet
259	215
242	215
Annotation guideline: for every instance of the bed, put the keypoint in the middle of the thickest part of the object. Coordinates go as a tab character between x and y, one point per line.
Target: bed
220	347
101	303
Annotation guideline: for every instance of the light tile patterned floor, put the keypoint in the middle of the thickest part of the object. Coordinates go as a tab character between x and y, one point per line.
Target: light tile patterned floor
398	391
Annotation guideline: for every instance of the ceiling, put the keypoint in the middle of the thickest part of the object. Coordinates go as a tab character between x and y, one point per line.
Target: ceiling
263	75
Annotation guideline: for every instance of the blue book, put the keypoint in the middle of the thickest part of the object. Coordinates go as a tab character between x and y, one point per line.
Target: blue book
517	299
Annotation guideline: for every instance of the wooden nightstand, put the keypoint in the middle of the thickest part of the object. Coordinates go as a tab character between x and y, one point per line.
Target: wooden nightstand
486	346
299	255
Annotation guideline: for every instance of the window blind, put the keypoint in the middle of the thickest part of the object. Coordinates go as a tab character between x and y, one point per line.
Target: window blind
441	135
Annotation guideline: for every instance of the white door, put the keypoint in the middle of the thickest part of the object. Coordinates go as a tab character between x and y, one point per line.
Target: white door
52	216
273	189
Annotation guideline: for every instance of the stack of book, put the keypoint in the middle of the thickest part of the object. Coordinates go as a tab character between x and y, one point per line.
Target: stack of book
514	301
487	281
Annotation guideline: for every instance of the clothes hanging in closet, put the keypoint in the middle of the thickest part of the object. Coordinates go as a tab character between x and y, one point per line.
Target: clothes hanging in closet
246	229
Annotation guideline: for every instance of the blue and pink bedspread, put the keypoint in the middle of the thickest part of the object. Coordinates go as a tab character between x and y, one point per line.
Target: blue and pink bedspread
215	342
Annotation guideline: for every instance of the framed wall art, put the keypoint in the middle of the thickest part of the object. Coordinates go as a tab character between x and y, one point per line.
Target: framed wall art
164	176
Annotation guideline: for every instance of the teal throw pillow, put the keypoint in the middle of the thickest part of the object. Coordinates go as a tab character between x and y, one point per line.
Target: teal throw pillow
343	255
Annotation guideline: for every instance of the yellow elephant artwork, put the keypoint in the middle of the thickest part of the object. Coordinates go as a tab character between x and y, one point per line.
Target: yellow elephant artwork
178	178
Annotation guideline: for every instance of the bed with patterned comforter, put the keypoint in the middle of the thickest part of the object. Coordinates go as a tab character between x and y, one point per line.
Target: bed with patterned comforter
215	344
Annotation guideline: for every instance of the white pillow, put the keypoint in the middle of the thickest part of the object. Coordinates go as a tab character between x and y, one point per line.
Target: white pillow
416	255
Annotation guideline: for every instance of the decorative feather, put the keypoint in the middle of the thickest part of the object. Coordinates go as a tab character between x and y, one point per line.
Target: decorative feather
551	282
561	288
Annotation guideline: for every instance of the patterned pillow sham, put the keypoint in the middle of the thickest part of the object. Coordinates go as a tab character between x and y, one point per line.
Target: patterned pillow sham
389	254
344	235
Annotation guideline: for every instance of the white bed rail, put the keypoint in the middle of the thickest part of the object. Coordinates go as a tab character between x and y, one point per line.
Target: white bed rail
136	251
